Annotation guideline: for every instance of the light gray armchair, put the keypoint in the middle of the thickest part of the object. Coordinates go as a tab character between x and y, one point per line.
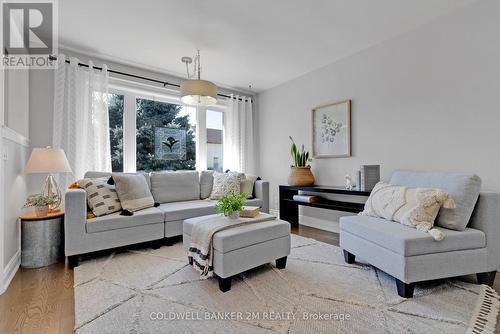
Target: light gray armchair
412	256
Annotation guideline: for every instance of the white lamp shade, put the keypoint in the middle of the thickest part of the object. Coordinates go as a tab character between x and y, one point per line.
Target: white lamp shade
47	160
198	93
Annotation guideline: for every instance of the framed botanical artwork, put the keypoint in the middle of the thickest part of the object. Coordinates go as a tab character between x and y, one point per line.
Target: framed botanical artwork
331	130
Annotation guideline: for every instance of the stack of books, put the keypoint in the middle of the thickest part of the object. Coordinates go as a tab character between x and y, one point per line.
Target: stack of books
250	212
305	198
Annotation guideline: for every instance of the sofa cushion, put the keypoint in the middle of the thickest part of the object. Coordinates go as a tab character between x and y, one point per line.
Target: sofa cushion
463	188
408	241
116	221
254	202
175	186
206	183
243	236
189	209
93	175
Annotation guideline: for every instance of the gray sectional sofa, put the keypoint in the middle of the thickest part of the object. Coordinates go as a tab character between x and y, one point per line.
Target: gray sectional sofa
181	195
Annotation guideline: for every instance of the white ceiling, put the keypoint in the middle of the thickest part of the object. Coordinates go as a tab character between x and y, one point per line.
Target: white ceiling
262	43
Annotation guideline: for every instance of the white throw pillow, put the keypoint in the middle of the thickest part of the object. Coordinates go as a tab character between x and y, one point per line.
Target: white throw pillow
225	184
417	207
102	198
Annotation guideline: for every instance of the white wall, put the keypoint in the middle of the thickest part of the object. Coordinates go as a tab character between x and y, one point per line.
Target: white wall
14	146
16	101
426	100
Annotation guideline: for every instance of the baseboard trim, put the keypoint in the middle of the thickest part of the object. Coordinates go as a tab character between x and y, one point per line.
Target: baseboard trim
321	224
10	271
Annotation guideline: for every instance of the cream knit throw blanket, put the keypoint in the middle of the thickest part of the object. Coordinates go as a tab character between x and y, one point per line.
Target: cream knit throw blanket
417	207
201	247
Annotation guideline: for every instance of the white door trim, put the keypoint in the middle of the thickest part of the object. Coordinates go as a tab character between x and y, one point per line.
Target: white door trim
2	186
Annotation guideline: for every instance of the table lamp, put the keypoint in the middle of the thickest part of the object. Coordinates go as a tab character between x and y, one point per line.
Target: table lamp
49	160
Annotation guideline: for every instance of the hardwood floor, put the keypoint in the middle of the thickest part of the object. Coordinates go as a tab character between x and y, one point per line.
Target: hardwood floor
41	300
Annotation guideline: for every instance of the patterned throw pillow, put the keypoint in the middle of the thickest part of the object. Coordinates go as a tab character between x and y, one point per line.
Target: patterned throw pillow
225	184
102	198
417	207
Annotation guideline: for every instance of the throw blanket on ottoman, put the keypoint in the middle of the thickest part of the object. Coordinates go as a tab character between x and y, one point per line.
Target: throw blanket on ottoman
200	249
417	207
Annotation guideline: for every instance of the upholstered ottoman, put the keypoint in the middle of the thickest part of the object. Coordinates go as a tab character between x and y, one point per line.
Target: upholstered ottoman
244	247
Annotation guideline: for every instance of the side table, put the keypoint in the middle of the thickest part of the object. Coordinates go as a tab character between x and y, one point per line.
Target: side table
41	239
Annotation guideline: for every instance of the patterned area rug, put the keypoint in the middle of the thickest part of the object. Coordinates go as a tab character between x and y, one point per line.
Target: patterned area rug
155	291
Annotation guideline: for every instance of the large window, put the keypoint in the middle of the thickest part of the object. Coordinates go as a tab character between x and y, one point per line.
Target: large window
215	127
115	108
166	135
150	130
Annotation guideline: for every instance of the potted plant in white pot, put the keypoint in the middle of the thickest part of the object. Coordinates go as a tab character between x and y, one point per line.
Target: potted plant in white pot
40	203
300	173
231	205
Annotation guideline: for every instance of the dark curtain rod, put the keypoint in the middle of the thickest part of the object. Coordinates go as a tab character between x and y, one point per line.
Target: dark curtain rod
164	83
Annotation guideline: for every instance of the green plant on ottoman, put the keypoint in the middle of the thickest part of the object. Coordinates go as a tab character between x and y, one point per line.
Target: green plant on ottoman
231	205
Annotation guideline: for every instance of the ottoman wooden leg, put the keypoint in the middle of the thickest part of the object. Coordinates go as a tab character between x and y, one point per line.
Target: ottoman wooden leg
224	284
486	278
405	290
348	257
281	263
73	261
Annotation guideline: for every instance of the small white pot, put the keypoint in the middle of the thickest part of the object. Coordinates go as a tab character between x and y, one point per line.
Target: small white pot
41	211
234	215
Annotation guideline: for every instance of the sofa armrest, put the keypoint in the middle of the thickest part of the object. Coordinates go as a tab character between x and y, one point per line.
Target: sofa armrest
262	192
75	218
486	217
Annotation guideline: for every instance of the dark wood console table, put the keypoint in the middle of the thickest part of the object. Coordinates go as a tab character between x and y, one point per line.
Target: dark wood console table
289	209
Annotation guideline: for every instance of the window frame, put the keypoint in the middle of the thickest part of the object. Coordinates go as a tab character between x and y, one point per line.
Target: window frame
134	90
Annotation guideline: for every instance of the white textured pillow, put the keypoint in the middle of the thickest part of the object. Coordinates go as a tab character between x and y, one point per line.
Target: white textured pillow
102	198
417	207
247	183
225	184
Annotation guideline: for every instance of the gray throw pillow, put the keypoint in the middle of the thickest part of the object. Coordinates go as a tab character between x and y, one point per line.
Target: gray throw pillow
102	198
133	191
463	188
206	183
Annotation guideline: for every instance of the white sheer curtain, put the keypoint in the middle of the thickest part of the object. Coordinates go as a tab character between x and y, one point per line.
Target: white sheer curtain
238	135
81	122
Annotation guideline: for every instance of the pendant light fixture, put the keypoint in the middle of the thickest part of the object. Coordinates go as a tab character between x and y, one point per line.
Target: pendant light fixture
197	92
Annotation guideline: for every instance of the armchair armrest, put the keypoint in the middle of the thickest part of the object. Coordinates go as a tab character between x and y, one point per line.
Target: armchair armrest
75	218
262	192
486	217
